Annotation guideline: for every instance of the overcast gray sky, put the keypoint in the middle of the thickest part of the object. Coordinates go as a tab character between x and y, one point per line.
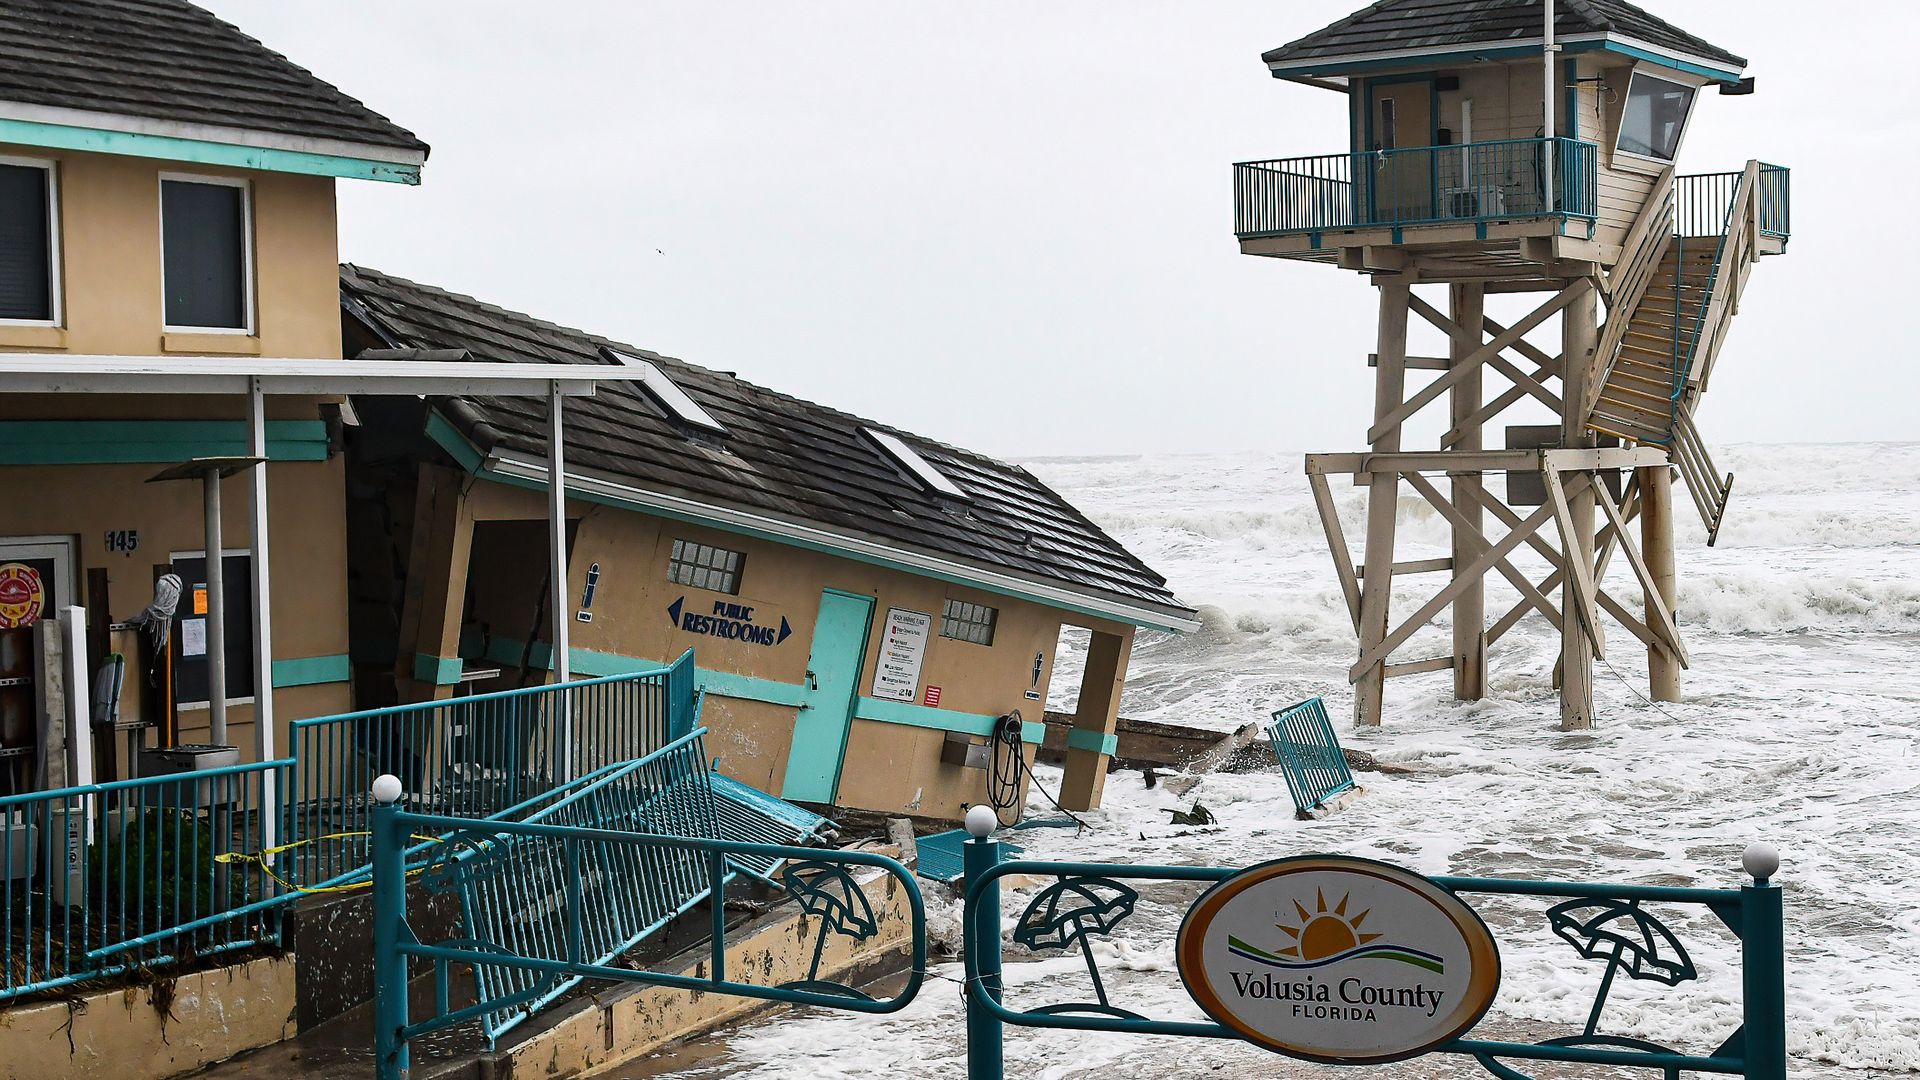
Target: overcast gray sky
1008	225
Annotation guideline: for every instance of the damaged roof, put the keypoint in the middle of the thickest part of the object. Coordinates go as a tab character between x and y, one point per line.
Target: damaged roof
1410	25
169	60
780	458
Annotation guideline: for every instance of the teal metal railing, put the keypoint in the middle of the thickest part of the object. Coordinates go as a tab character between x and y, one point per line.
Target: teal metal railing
578	875
1776	201
510	885
1601	921
1474	182
472	756
104	879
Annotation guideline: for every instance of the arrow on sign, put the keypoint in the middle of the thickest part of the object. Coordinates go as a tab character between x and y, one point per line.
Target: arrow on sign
786	630
673	610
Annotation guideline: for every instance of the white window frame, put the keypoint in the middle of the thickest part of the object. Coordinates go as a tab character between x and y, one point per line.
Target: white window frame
910	461
1645	162
246	251
55	294
186	597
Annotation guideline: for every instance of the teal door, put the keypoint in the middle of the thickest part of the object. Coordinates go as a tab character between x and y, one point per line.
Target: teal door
833	681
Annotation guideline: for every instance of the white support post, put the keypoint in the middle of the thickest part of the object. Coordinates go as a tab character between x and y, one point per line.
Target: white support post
1548	48
216	612
557	551
265	738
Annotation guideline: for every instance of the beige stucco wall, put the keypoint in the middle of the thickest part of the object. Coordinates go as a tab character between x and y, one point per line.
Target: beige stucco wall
128	1035
110	259
110	271
306	501
887	766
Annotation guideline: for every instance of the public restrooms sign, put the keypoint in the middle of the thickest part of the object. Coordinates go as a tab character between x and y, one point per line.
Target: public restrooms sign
1339	960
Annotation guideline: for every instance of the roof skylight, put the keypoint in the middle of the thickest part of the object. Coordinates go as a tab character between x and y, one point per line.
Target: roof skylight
910	460
671	398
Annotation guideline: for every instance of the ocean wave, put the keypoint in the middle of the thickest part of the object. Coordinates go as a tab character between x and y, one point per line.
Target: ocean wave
1756	604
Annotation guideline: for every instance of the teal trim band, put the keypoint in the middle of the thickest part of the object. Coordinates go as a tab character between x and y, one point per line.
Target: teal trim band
123	442
1099	742
311	671
1449	58
454	443
203	152
438	670
829	549
923	716
749	688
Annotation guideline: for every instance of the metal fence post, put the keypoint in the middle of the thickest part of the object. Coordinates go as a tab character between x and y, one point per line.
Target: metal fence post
389	920
985	1056
1763	967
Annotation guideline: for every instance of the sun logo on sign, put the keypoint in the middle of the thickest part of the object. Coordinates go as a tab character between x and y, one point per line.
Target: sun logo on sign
1321	933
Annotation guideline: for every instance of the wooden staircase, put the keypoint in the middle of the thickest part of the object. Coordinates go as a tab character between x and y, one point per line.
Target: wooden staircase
1671	299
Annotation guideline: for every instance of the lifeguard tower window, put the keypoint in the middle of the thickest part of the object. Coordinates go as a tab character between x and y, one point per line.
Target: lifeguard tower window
1655	117
188	640
27	279
968	622
206	254
700	566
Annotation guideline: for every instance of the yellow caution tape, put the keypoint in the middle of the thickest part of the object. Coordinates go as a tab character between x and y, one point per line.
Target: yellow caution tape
259	858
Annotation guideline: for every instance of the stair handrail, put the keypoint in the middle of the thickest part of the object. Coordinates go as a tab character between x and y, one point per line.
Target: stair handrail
1733	255
1646	244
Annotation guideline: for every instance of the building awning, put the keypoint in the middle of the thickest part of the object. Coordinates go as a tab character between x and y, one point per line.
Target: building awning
66	373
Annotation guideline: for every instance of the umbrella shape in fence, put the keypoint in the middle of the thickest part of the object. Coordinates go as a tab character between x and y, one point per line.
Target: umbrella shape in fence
1068	913
1627	937
827	892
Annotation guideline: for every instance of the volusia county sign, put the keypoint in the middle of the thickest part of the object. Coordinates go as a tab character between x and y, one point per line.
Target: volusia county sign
1338	960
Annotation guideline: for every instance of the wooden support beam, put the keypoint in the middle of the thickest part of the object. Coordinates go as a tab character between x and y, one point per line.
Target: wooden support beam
1392	420
1416	363
1414	566
1337	545
1582	576
1659	616
1418	667
1467	306
1656	538
1372	657
1463	524
1383	498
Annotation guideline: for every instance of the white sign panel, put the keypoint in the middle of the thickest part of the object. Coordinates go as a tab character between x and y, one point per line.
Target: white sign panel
1339	960
193	637
902	650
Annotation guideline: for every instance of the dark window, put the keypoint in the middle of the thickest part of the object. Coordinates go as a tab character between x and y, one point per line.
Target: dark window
700	566
188	639
26	242
1655	116
203	233
968	622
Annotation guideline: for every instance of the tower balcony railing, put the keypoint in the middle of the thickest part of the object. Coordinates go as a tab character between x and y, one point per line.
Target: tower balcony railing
1430	185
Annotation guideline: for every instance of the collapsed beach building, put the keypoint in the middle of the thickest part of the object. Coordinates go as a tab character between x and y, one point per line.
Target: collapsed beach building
276	526
1522	148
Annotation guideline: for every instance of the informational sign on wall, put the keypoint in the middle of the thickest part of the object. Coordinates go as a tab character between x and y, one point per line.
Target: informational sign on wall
734	622
23	595
1339	960
903	648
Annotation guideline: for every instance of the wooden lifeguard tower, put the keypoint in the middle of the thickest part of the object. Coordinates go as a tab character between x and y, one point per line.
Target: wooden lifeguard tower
1511	146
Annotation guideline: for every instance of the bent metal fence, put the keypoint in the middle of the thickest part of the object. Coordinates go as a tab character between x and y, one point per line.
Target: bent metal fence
104	879
584	876
480	756
107	879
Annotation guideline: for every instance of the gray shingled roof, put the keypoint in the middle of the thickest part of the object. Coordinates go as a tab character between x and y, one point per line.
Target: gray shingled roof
170	60
782	457
1416	24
